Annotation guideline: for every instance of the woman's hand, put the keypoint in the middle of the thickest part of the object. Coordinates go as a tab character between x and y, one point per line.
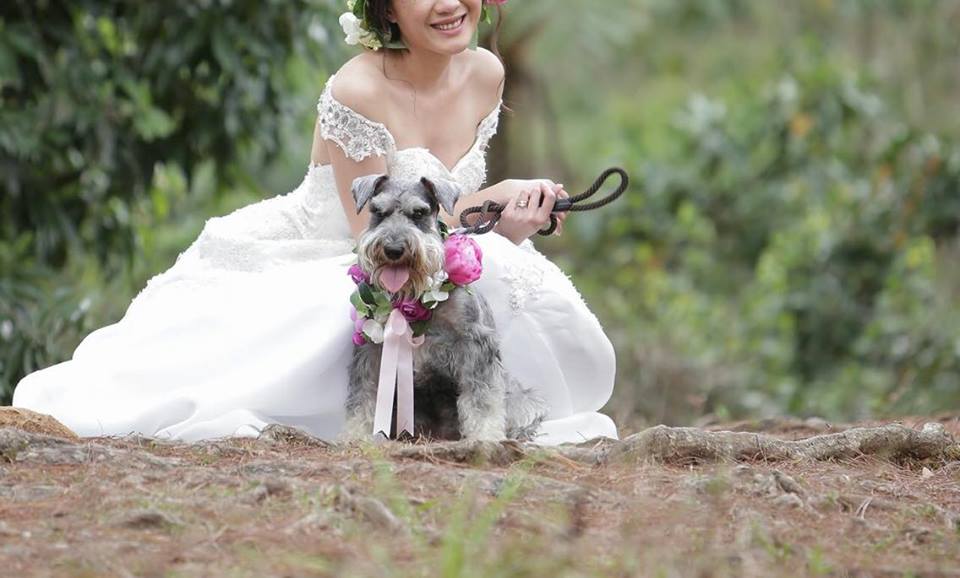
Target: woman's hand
528	208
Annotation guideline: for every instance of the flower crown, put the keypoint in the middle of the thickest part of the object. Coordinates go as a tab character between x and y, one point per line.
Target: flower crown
360	30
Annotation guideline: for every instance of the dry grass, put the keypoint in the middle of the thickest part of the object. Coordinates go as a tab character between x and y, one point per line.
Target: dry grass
240	507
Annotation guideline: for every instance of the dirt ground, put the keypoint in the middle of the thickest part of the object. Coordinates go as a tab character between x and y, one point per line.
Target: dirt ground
291	505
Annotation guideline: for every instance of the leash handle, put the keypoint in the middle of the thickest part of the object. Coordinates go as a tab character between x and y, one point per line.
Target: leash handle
569	204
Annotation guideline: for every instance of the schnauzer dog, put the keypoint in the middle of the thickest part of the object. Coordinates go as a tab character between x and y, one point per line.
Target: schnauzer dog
461	389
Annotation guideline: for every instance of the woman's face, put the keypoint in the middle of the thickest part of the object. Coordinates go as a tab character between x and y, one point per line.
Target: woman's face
444	26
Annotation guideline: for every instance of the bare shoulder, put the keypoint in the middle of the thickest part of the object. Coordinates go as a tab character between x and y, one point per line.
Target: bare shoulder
358	86
488	71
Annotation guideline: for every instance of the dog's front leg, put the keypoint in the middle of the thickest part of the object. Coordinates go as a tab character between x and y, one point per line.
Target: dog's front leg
362	394
480	405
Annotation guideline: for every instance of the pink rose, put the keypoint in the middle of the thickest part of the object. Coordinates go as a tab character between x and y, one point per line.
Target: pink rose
463	259
412	310
357	274
358	338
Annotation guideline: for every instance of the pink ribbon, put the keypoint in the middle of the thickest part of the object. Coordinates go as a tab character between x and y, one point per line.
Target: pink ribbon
396	372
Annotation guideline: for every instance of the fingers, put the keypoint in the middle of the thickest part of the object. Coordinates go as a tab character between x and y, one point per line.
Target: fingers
548	198
520	203
561	215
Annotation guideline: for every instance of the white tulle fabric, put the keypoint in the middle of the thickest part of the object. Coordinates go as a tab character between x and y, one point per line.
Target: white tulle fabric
251	325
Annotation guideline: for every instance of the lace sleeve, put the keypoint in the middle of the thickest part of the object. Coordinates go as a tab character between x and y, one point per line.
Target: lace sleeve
357	135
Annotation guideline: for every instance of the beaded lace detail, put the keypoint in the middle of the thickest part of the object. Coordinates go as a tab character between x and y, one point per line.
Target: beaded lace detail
357	135
360	137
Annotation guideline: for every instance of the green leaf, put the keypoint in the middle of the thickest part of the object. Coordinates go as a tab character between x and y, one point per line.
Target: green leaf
419	327
367	294
361	307
382	312
381	299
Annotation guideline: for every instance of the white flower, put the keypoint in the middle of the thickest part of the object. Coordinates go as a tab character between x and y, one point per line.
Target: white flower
434	296
373	330
357	33
351	27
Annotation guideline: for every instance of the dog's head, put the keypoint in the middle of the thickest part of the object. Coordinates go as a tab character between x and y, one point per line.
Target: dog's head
402	248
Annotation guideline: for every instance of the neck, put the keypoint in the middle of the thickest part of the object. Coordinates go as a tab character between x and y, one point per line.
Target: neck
426	71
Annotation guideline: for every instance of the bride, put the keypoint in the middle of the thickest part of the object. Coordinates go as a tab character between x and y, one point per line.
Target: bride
251	325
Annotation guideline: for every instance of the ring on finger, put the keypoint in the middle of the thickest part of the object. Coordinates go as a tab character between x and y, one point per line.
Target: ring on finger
522	203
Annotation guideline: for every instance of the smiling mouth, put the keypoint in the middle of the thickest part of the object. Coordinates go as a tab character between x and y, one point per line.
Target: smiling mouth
451	26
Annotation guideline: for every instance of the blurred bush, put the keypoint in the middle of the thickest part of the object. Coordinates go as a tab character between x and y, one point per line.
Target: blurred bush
787	248
109	111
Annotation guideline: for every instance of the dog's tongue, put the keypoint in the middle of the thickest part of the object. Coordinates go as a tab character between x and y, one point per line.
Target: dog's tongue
392	278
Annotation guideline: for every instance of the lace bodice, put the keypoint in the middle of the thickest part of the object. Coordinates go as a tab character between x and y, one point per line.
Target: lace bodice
360	137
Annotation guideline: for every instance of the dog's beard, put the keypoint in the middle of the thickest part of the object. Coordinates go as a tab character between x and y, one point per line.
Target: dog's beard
423	260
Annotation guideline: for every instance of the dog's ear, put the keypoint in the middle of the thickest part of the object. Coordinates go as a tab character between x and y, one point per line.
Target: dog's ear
365	188
444	191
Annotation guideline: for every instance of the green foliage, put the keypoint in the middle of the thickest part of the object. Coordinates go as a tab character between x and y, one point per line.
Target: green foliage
785	246
101	104
96	93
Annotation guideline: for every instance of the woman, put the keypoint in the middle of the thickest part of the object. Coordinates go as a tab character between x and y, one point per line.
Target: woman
251	325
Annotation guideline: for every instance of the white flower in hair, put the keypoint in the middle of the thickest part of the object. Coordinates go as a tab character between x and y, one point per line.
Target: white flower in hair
351	27
357	33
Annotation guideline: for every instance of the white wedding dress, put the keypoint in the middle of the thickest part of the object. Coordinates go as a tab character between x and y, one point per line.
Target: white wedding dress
251	325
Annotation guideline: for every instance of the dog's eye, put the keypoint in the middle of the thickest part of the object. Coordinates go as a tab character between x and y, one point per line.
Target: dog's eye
419	213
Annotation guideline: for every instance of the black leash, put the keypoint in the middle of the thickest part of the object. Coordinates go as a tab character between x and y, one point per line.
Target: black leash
568	204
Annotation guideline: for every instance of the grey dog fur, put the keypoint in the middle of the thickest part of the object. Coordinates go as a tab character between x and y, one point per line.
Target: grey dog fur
461	389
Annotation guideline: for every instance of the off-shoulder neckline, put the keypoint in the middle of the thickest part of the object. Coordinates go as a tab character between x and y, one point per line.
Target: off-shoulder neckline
478	133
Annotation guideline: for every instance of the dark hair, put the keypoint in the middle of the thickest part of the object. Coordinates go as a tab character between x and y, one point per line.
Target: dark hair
376	15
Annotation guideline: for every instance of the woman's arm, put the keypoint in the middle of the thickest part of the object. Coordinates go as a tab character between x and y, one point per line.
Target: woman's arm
346	169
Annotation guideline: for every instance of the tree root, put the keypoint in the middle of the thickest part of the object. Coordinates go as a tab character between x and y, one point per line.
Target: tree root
892	442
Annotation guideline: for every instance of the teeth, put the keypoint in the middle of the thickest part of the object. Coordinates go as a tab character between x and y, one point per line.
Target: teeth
450	26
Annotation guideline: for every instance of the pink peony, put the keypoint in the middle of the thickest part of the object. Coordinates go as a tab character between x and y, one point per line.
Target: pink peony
463	259
412	310
357	274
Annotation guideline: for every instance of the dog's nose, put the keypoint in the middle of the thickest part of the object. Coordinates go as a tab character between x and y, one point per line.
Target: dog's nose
393	251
